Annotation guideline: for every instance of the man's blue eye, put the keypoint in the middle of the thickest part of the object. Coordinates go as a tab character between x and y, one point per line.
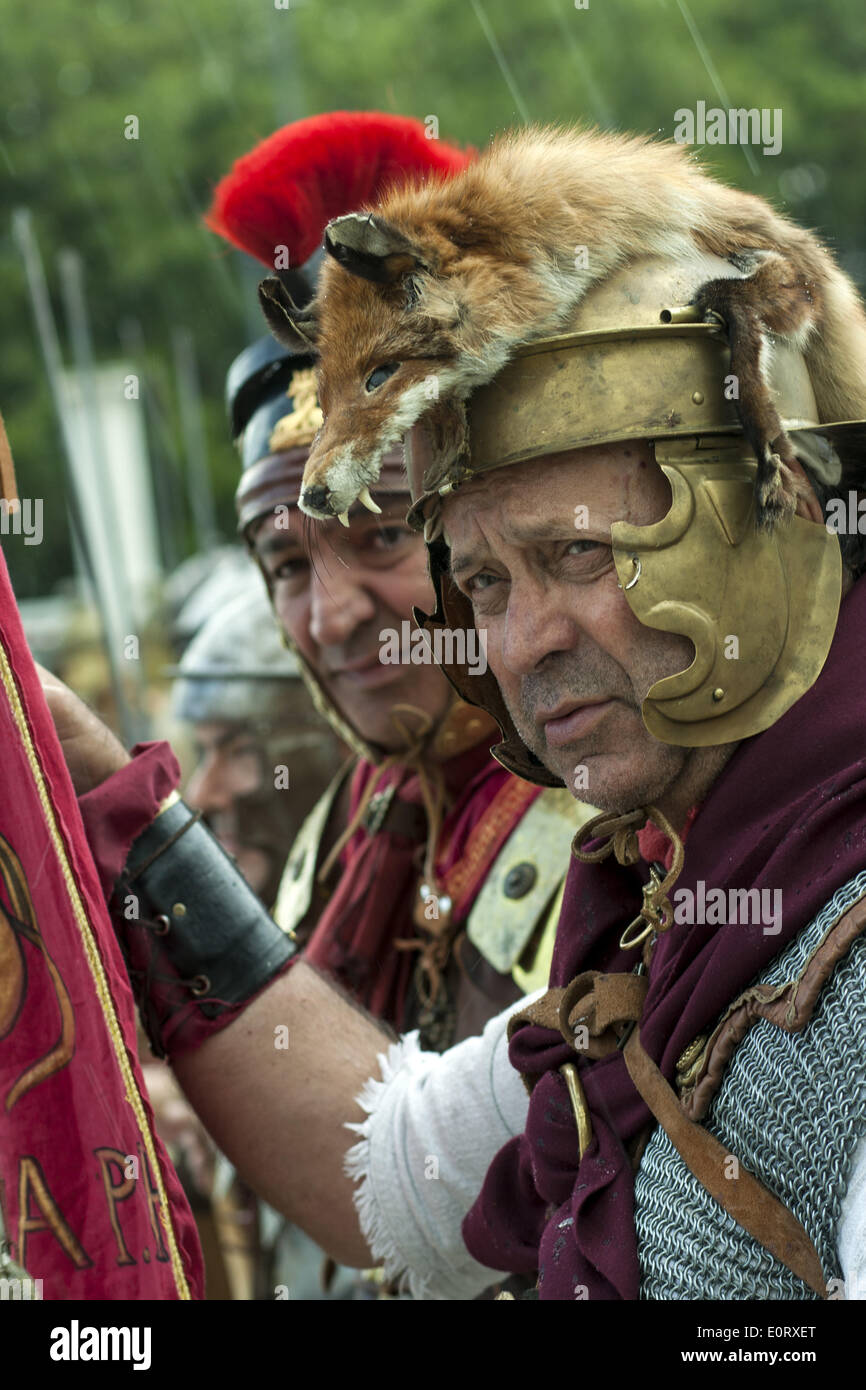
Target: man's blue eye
378	377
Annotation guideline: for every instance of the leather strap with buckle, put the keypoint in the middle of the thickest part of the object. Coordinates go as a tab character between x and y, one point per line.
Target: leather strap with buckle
608	1008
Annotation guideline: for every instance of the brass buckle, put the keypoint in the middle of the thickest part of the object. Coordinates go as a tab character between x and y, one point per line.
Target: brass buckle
649	915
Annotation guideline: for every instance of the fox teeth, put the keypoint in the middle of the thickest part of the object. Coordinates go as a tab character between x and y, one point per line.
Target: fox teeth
365	498
343	518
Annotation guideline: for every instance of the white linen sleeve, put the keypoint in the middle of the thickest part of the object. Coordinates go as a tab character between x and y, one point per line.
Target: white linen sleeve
433	1124
851	1233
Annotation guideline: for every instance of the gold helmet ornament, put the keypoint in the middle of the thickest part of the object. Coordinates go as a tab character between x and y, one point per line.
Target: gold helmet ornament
642	362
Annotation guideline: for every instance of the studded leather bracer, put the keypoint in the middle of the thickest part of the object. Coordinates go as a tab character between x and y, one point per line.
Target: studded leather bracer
198	942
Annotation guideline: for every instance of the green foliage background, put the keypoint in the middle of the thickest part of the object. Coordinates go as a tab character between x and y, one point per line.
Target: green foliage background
208	78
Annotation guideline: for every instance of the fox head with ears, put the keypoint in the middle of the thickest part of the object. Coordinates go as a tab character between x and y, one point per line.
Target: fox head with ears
427	295
419	303
280	196
372	381
400	336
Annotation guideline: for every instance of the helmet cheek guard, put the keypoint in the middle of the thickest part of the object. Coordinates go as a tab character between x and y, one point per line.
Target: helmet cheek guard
760	606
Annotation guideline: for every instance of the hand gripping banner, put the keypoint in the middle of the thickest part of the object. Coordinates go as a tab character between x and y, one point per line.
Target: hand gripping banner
91	1204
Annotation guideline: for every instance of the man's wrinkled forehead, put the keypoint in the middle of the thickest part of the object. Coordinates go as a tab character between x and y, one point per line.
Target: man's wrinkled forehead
520	494
597	485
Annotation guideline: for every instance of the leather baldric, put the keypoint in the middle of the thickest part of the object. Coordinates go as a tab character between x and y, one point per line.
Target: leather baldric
598	1014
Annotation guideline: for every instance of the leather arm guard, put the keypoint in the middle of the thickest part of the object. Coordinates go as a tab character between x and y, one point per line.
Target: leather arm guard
199	945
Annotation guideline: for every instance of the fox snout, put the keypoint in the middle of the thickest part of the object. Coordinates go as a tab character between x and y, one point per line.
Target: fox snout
315	500
336	476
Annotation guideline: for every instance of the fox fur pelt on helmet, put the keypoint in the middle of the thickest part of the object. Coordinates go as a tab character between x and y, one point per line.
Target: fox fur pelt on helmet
443	281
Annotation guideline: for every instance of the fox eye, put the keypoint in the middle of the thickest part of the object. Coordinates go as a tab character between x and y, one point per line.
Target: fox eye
378	377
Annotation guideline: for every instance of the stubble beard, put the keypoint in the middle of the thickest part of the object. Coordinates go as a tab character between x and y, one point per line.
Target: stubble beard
612	772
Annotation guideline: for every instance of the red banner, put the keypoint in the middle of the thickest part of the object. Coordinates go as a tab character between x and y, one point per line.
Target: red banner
91	1203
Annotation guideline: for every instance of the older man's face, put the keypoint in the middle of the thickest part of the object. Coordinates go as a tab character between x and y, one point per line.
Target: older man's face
571	659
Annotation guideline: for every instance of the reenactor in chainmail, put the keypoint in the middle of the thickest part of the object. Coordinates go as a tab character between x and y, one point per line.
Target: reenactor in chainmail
670	574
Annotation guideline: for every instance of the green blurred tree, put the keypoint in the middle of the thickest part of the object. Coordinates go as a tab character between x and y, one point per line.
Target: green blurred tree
207	80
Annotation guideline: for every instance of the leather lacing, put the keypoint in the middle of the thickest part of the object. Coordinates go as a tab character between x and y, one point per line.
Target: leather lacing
434	946
619	832
160	926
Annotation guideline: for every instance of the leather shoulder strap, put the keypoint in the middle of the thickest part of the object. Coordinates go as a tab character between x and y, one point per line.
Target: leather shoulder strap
789	1006
735	1189
297	883
524	877
600	1004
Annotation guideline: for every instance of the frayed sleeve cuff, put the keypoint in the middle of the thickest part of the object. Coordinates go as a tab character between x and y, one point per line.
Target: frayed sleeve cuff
432	1126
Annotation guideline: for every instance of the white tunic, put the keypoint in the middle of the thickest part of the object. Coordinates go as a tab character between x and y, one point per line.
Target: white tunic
434	1123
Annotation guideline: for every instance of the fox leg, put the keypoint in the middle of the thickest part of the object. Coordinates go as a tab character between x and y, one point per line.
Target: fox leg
447	434
773	299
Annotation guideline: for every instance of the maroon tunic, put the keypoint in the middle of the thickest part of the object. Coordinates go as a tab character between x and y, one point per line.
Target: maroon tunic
788	812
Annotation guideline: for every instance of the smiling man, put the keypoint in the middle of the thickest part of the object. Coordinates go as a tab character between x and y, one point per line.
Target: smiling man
385	886
337	594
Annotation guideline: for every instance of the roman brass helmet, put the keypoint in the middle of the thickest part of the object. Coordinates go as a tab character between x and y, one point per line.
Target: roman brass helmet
637	364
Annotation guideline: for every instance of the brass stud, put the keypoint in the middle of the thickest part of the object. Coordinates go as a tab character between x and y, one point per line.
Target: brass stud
718	694
519	880
698	397
179	910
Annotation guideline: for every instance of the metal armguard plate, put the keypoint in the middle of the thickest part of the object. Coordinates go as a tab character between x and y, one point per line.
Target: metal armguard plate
502	920
296	885
218	929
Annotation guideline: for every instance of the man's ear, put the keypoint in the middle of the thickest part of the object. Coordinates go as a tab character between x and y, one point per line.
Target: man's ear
294	328
372	248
